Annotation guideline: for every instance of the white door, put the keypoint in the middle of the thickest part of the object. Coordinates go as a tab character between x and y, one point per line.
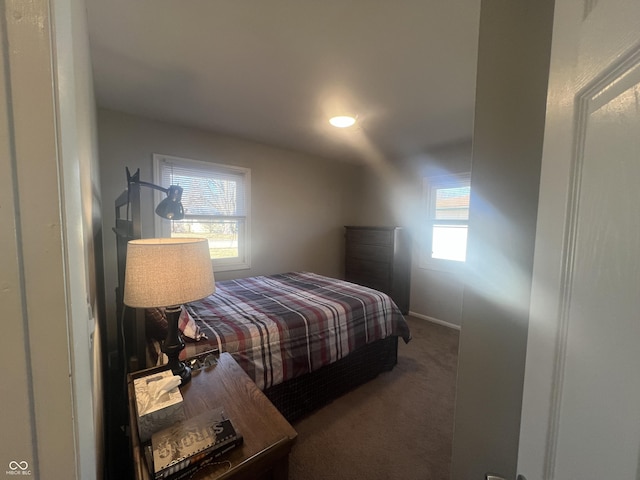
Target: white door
581	404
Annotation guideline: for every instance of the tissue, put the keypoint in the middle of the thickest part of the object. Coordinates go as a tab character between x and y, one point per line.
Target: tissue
158	403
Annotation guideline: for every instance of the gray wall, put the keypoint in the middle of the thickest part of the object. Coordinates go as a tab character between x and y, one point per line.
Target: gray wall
513	65
299	203
435	293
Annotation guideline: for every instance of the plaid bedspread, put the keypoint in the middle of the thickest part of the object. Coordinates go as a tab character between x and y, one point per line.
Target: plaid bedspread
278	327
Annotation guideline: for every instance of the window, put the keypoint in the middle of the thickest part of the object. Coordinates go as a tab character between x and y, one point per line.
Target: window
447	202
216	207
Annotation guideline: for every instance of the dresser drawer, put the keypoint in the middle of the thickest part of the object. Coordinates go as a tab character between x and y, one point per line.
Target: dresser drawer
368	269
369	236
371	274
376	253
382	285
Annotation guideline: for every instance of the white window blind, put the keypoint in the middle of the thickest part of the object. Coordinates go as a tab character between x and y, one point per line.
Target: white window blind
210	190
216	204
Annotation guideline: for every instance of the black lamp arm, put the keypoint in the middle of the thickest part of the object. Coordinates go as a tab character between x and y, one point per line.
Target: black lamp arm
135	178
155	187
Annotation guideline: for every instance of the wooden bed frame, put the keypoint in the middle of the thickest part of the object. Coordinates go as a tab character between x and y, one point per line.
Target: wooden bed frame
294	398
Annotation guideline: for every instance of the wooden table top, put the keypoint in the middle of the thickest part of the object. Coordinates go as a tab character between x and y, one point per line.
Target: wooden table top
267	434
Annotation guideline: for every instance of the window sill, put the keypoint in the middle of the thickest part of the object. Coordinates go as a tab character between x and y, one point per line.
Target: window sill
229	267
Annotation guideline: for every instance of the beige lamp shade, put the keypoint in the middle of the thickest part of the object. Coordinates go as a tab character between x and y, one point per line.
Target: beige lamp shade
163	272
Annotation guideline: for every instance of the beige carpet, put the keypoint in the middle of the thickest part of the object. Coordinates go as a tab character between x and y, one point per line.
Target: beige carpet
398	426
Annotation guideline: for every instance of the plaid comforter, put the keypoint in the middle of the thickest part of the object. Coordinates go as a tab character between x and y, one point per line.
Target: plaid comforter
278	327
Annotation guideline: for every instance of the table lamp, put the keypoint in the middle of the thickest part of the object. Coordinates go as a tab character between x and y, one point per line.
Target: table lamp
168	272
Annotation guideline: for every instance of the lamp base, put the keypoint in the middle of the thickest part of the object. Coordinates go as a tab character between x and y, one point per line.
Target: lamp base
174	344
182	370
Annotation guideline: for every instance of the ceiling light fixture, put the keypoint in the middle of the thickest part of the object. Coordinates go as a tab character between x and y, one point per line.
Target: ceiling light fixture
342	121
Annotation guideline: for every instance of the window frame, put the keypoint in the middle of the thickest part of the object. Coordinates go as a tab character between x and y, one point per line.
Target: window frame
162	227
430	185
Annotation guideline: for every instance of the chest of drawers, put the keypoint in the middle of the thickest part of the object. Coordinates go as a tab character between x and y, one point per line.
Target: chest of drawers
380	258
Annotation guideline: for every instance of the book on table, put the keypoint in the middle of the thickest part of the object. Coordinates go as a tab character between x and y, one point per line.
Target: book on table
188	445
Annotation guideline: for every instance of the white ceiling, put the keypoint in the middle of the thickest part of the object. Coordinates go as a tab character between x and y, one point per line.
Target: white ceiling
274	71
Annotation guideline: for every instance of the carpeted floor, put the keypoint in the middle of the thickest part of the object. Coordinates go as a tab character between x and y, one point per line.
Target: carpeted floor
398	426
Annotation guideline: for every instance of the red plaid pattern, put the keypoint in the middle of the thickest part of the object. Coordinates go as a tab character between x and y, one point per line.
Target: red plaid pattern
278	327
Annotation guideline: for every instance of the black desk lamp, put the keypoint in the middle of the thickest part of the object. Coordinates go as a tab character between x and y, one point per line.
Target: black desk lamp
169	208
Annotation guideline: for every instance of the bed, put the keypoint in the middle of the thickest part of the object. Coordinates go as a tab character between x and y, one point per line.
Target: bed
304	338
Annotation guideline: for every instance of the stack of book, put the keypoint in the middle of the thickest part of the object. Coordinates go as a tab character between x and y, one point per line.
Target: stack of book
178	451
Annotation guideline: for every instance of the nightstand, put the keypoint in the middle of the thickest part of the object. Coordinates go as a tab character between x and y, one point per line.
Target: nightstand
268	437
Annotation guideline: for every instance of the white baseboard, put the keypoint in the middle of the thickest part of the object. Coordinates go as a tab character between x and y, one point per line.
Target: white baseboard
435	320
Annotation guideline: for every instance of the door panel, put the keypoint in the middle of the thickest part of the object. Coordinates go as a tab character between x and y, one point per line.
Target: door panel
581	404
600	397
